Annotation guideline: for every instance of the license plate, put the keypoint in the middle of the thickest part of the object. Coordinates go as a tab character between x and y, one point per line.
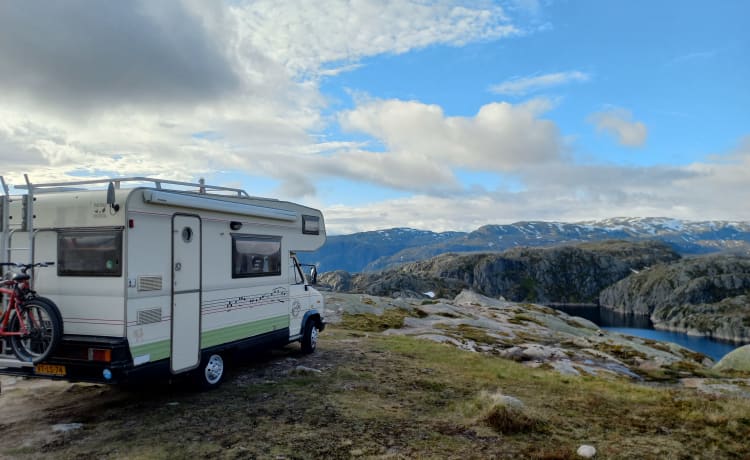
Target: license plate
50	369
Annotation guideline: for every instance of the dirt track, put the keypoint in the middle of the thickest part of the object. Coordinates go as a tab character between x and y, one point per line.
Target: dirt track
55	419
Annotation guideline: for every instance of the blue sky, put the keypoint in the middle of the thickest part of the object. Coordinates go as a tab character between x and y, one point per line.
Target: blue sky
440	115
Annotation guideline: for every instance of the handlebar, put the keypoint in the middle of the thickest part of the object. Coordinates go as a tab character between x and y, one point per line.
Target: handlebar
25	267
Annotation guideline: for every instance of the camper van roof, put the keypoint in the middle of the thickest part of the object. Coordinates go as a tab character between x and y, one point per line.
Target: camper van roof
161	184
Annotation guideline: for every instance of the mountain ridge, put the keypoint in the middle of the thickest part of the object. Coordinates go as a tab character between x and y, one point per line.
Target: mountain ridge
379	249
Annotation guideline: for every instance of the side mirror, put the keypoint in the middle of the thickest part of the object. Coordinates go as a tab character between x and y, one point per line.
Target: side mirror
314	275
111	197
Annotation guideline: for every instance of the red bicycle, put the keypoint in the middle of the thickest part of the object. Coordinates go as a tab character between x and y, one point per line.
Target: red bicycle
30	323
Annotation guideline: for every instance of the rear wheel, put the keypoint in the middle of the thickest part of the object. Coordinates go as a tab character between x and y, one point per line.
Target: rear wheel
211	371
43	324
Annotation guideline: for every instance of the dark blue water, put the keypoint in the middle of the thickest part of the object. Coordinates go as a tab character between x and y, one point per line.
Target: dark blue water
641	326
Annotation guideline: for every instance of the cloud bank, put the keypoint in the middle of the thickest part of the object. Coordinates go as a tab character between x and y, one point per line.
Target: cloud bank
196	87
570	192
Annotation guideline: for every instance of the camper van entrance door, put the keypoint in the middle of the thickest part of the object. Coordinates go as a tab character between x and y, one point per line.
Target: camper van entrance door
186	292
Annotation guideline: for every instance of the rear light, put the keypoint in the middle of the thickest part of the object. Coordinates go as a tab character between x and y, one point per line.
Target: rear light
100	354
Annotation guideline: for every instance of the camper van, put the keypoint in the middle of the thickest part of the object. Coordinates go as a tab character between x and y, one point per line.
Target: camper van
157	277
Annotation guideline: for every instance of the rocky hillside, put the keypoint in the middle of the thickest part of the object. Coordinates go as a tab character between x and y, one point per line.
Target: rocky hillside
702	295
373	251
533	334
566	274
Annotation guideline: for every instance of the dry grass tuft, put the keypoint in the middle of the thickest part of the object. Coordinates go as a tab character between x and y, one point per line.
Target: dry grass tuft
507	415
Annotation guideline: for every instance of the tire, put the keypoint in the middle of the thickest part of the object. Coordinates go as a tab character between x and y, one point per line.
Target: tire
211	371
53	306
44	325
309	337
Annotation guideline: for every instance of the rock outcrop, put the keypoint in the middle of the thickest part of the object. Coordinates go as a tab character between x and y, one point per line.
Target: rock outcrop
736	360
702	295
532	334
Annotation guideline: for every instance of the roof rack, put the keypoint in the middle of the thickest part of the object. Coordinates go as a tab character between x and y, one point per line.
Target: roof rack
202	187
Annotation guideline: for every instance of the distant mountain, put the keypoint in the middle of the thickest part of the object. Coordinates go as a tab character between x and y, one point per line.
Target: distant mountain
354	252
376	250
562	274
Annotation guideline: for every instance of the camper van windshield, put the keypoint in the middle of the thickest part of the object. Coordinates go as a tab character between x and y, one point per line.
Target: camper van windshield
255	255
89	253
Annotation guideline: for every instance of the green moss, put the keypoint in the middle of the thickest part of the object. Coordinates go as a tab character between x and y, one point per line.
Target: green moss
392	318
661	346
621	352
523	319
466	332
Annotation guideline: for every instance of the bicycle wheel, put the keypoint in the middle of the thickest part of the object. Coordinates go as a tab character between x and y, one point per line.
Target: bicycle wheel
43	330
53	306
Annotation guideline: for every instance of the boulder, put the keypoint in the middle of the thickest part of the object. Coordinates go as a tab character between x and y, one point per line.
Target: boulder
736	360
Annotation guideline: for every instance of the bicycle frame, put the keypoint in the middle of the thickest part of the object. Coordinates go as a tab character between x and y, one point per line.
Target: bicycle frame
14	294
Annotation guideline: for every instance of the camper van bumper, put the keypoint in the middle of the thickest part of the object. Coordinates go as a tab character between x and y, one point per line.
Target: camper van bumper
81	359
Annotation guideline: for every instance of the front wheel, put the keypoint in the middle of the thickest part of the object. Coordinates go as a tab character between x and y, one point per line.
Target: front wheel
310	337
211	371
43	330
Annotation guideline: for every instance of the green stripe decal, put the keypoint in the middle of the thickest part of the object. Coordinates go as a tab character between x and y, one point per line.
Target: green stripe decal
162	349
156	350
241	331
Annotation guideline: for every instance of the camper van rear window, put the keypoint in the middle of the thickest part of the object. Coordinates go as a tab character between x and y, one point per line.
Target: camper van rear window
89	253
255	255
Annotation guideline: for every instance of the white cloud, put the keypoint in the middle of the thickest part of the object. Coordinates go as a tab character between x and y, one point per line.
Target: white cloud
501	137
304	35
695	56
619	123
568	192
523	85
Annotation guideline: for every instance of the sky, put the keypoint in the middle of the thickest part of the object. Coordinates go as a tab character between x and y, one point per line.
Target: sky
437	115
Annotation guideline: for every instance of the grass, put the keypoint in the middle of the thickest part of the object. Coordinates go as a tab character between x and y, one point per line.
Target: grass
464	331
398	397
392	318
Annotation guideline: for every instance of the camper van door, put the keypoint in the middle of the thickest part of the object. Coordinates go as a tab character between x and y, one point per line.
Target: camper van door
186	292
299	296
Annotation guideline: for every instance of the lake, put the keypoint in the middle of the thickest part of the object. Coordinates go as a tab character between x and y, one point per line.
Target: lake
641	326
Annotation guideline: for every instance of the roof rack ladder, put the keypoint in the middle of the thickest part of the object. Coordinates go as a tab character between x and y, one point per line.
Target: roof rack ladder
28	219
4	222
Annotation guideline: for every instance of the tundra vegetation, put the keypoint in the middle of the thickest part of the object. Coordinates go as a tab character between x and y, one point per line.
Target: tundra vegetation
384	384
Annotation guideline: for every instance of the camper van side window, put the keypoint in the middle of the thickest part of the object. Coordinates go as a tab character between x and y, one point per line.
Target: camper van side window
255	255
89	253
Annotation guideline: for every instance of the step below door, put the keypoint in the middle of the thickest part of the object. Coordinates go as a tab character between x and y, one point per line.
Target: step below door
186	293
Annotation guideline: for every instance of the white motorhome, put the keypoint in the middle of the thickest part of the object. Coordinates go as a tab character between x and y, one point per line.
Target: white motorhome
165	277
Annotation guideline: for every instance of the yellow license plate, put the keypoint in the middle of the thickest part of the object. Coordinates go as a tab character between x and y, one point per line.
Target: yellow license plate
50	369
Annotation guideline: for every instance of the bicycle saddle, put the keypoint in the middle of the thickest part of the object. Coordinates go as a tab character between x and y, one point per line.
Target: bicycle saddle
18	277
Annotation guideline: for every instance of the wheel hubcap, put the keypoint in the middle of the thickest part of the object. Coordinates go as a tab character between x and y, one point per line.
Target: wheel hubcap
313	337
214	369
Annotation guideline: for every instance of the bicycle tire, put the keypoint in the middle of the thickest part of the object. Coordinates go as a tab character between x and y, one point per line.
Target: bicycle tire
44	324
39	298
